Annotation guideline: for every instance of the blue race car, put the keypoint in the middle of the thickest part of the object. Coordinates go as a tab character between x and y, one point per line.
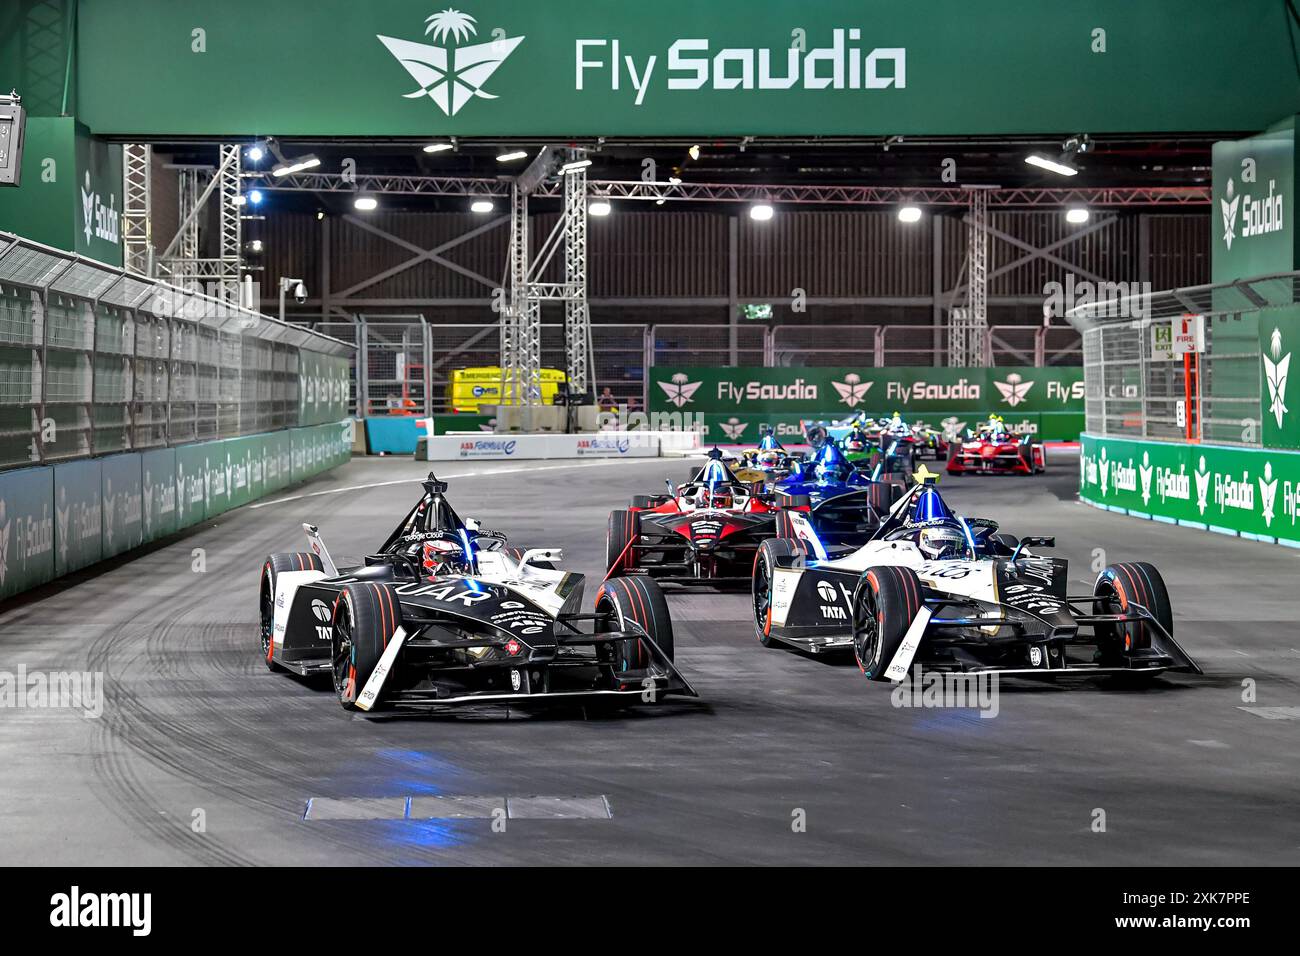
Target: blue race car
845	504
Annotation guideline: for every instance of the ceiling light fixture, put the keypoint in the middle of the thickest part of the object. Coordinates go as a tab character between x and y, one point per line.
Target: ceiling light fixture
291	166
909	213
1051	165
481	206
761	212
511	157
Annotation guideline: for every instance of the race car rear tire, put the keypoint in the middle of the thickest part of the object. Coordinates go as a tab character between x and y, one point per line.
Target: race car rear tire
638	599
798	502
885	603
365	616
1140	583
273	566
770	554
882	495
622	530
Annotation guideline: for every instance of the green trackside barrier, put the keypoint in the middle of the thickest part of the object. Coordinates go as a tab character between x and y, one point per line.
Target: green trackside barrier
78	521
122	497
60	518
26	529
1253	493
158	493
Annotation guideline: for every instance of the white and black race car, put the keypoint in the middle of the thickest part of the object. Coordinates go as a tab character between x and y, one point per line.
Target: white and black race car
951	594
445	613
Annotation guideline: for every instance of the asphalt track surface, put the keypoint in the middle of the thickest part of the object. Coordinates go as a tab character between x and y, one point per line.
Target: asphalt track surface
194	722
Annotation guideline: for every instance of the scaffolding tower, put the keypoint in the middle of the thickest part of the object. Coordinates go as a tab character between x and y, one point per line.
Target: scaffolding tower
137	208
968	326
521	319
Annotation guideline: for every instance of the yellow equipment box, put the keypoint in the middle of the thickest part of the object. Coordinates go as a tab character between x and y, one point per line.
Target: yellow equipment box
471	387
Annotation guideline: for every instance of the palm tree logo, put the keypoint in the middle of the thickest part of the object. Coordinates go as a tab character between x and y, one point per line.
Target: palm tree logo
450	77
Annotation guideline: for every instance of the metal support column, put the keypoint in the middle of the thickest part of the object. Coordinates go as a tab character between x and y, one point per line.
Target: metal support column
577	317
137	208
231	244
968	326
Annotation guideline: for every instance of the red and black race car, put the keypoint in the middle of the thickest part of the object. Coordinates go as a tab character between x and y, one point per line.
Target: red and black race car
992	450
708	530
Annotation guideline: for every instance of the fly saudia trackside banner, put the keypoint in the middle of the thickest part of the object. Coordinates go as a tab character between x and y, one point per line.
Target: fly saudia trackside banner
840	392
722	68
1251	492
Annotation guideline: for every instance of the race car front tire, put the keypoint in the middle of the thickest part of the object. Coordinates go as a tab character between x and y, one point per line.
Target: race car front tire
885	603
770	555
635	599
1128	583
366	615
622	530
642	501
272	567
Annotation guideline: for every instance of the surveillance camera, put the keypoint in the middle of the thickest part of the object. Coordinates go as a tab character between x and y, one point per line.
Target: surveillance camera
300	293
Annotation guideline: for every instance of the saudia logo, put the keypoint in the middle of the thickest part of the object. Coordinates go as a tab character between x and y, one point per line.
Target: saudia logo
1258	216
99	220
1275	373
852	390
925	391
680	389
1014	390
692	64
451	77
796	391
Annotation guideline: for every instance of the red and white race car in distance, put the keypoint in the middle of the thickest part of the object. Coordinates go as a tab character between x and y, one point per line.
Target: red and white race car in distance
704	532
992	450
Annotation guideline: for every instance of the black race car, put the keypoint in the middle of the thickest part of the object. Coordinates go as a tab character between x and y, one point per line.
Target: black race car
445	613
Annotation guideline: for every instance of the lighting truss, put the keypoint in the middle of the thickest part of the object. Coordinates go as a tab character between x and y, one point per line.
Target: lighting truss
745	192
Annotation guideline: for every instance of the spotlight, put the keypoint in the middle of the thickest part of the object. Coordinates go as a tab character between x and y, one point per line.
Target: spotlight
291	166
1051	165
255	197
320	214
1077	215
511	157
481	205
365	203
761	212
255	154
909	213
693	152
574	166
439	147
674	180
599	207
255	246
240	200
659	202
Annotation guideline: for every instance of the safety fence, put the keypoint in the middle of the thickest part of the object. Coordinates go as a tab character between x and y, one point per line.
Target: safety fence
95	361
405	363
1202	364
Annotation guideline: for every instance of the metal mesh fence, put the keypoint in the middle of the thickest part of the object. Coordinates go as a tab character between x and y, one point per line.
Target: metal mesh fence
408	362
94	361
1134	389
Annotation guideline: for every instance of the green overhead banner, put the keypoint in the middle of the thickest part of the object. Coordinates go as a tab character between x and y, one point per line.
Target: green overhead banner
613	68
840	392
743	428
1249	492
1251	230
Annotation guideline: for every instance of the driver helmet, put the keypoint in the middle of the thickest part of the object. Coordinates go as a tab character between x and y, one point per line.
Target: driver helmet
831	463
855	441
769	458
437	554
941	542
720	498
